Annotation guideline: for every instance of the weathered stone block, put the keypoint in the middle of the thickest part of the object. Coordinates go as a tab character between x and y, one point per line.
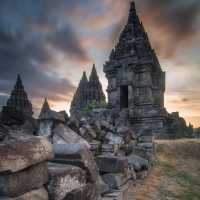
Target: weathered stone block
64	135
146	145
77	155
115	180
64	179
39	194
108	148
103	187
138	163
107	126
15	184
87	192
112	164
114	139
146	139
18	154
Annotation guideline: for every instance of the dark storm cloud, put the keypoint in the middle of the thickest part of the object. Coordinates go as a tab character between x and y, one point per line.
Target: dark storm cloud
178	19
16	58
44	18
27	29
71	45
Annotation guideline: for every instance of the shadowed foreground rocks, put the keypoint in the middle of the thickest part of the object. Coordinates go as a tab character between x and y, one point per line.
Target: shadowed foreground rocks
23	168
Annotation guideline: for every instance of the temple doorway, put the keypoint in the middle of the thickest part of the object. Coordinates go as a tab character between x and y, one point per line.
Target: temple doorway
124	96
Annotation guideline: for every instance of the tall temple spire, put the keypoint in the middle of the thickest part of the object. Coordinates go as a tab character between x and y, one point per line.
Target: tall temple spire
133	44
18	104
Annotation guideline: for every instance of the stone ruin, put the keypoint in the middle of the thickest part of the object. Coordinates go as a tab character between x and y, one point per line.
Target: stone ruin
96	156
87	92
136	82
136	86
18	107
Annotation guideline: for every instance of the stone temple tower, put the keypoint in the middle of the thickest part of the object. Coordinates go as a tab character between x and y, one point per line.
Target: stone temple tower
88	91
136	81
95	91
18	107
80	97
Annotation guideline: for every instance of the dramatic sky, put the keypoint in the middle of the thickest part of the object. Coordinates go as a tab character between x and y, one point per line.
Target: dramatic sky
50	43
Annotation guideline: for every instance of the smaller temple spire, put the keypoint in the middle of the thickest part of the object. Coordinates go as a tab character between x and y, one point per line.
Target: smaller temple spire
48	114
18	105
80	98
93	75
132	7
95	92
45	109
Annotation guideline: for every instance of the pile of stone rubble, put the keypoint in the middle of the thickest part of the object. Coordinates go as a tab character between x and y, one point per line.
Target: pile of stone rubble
91	158
23	168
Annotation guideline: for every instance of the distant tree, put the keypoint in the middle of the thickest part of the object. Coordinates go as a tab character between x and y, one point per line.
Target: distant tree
190	131
197	132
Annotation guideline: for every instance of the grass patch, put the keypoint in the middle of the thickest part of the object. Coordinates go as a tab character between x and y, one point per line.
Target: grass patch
191	193
176	172
166	166
160	148
187	181
166	194
188	178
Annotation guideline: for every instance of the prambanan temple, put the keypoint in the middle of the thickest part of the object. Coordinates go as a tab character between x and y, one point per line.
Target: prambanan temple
136	82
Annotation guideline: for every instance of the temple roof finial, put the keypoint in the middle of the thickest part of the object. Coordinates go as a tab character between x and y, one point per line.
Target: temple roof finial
132	7
18	83
93	75
84	77
133	18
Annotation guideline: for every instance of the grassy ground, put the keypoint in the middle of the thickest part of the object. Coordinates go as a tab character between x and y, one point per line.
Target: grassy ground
176	174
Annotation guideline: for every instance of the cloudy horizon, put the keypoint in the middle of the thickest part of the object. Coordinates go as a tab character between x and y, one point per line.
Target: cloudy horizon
50	43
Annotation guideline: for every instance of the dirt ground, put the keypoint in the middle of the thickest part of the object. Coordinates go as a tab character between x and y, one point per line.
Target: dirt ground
175	175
